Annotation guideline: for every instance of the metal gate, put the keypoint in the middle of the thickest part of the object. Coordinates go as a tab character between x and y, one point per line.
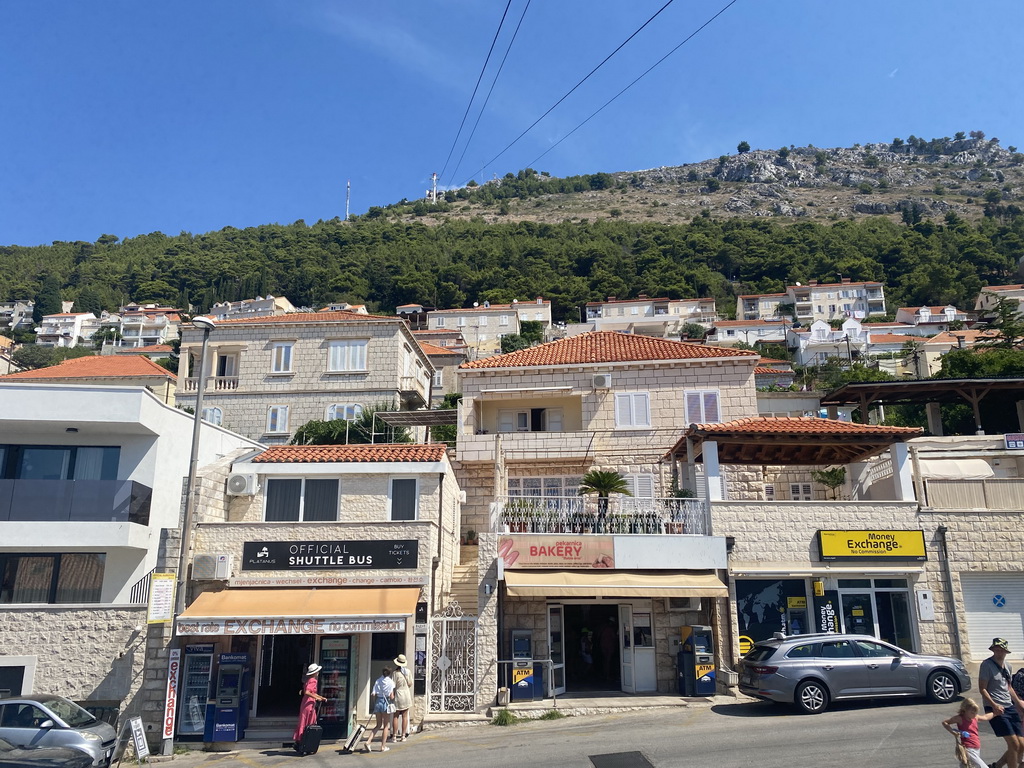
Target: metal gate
453	661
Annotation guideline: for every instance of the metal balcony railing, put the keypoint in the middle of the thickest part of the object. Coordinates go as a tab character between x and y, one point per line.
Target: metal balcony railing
75	501
587	514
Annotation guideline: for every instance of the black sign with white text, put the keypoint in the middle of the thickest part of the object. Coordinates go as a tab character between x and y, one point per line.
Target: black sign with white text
389	554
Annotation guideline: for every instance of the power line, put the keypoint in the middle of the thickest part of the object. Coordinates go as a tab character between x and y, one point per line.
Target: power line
478	79
581	82
491	90
634	82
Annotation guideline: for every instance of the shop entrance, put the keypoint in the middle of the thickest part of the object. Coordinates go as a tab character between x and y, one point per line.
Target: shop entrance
283	659
879	607
592	654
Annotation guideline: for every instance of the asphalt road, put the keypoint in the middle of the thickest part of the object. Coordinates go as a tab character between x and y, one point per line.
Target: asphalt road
735	735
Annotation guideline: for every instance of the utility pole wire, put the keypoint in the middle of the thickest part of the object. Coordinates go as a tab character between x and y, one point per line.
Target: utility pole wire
581	82
478	79
491	90
634	82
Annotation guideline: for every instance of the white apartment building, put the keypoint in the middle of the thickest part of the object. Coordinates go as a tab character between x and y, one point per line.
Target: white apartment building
646	316
146	325
726	333
483	325
817	301
261	306
66	329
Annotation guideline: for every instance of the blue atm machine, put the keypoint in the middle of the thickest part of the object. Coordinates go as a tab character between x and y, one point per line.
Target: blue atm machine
227	713
525	683
696	661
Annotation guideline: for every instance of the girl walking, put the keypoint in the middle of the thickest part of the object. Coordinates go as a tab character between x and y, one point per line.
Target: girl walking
383	707
964	724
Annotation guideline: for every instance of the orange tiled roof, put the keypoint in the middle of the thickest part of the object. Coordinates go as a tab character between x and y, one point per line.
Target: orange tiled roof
890	338
774	360
736	323
482	308
605	347
804	425
313	454
950	337
305	317
761	370
434	349
97	367
1003	287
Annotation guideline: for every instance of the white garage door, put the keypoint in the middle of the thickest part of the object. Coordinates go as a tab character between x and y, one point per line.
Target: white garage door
995	608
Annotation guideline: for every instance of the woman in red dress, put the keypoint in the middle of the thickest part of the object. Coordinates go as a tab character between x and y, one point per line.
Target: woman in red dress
307	709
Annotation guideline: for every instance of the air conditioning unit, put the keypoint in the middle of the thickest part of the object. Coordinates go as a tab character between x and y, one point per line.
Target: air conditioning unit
602	380
241	484
676	604
213	567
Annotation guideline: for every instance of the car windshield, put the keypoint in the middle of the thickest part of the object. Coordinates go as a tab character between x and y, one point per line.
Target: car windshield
68	711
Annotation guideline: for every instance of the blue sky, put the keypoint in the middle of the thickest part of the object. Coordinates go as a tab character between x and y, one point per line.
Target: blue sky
127	117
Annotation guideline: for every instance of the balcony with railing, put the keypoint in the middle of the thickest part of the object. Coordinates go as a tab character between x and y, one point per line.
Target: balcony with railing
588	514
213	383
413	390
109	513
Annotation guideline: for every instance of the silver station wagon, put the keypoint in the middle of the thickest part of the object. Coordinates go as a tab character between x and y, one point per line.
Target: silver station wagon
813	670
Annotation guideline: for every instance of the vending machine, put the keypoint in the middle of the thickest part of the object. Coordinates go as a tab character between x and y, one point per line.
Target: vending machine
227	715
335	656
195	689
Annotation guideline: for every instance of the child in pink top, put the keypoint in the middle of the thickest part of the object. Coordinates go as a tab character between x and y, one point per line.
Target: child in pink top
964	724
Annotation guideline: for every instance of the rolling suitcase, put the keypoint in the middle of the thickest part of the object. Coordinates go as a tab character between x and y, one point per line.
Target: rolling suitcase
357	734
310	741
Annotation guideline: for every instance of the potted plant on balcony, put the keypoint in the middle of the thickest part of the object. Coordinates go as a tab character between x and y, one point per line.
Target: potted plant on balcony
471	537
603	484
677	512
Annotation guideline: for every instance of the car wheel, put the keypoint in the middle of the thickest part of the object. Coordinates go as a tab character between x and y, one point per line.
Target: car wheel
812	697
942	687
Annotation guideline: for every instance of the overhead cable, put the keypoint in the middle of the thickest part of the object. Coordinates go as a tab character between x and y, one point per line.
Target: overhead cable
478	79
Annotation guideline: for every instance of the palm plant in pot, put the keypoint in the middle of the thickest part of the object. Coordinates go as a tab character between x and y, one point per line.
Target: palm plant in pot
604	484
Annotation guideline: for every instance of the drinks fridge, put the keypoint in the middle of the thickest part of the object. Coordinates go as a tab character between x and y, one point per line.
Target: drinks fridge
195	689
335	653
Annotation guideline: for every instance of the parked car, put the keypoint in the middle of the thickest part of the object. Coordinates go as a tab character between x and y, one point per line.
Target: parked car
813	670
42	757
53	721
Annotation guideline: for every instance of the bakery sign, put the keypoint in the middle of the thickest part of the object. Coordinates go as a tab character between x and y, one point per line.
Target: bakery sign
872	545
329	555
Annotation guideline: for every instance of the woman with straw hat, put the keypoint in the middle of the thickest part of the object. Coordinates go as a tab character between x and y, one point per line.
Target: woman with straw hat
307	708
403	698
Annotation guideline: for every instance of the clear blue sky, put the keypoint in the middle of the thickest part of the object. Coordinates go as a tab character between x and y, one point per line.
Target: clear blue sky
128	117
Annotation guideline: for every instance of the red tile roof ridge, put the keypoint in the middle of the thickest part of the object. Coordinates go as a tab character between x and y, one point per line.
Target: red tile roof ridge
435	349
97	367
361	453
803	424
605	347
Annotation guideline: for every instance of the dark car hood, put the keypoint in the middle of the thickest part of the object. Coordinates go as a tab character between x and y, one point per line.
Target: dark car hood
45	757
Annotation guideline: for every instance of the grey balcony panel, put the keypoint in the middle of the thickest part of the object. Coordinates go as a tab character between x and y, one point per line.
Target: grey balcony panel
75	501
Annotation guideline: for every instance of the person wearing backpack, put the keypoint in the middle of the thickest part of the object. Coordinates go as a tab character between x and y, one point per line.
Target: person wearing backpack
1002	700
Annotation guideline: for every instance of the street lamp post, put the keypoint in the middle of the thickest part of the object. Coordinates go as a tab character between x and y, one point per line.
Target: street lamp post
206	325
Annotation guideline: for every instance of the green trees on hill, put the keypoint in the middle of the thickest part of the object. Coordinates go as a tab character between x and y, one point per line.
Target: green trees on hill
384	263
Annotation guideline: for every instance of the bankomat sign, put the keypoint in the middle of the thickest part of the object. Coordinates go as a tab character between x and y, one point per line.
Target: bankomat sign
872	545
329	555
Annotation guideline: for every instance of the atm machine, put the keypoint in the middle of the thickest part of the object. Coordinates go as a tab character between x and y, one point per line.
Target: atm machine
227	713
524	683
696	661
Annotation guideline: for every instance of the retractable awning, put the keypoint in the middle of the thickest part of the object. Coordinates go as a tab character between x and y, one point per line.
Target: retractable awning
955	469
299	611
596	583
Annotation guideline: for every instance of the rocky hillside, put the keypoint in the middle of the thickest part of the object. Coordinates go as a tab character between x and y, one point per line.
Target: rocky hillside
915	178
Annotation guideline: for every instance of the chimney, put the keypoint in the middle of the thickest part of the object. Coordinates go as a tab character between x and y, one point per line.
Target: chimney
846	281
611	298
642	297
812	282
540	299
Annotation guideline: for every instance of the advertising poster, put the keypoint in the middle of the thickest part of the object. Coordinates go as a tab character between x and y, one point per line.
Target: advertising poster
873	545
532	551
761	608
826	611
161	597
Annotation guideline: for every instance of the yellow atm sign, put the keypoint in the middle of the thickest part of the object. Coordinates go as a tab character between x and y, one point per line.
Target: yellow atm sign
872	545
521	673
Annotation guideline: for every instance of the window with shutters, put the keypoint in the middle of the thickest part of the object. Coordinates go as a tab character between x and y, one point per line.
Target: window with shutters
402	498
503	320
440	322
301	499
462	322
438	378
530	420
483	321
702	407
769	492
632	409
800	492
346	355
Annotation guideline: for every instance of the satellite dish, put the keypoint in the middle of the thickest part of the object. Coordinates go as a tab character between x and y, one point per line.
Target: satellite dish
515	301
798	284
476	304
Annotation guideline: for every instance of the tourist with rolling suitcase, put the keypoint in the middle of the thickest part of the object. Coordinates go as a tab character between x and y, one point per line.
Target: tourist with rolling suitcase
307	732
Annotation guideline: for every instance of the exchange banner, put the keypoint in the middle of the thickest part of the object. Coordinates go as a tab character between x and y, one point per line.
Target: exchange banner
872	545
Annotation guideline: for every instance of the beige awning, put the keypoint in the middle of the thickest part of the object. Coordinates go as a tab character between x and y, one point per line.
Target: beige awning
299	611
955	469
600	583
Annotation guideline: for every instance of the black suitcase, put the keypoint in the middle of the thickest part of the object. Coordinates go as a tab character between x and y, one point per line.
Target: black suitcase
310	741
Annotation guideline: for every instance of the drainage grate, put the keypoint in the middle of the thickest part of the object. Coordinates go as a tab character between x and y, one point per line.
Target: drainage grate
621	760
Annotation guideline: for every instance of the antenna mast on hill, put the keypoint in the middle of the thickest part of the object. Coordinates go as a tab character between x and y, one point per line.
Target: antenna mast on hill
432	192
348	196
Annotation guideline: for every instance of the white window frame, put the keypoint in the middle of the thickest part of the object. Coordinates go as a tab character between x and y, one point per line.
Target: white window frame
213	415
302	497
347	355
801	492
276	414
632	410
708	401
281	353
483	321
416	496
769	492
503	320
349	412
439	322
461	322
438	378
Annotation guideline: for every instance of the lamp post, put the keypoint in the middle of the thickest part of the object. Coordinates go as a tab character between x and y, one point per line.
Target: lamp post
206	325
849	354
